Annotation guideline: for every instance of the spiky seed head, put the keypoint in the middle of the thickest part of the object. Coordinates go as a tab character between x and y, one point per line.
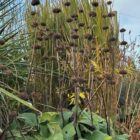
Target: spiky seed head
67	3
33	13
123	43
43	24
69	20
81	10
24	96
95	4
2	41
35	24
111	14
105	27
74	16
56	10
8	73
75	30
35	2
88	36
39	37
74	36
36	46
2	67
92	14
57	36
122	30
112	39
106	50
123	72
109	2
81	24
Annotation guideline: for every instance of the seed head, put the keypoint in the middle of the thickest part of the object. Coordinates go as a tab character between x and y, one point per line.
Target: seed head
36	46
57	36
122	30
69	20
2	41
123	72
88	36
109	2
123	43
35	2
67	3
81	24
111	14
24	96
56	10
74	36
92	14
105	27
43	24
81	10
33	13
95	4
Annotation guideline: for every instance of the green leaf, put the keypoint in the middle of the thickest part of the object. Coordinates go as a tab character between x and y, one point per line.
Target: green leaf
98	135
122	137
47	116
54	127
57	136
69	131
29	118
29	105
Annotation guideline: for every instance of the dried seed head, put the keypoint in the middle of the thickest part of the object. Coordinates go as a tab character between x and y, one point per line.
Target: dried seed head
39	37
95	4
108	76
74	36
111	14
88	36
12	115
109	2
105	27
36	46
67	3
112	39
57	36
122	30
81	10
35	2
123	72
24	96
75	30
56	10
81	81
74	16
45	37
99	77
104	15
92	14
106	50
43	24
69	20
81	24
72	44
112	82
2	67
8	73
2	41
35	24
123	43
33	13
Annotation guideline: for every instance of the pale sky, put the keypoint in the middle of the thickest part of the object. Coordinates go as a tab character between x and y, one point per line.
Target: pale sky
129	15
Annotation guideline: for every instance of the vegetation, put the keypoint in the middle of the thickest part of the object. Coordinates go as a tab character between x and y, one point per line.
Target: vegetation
65	74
